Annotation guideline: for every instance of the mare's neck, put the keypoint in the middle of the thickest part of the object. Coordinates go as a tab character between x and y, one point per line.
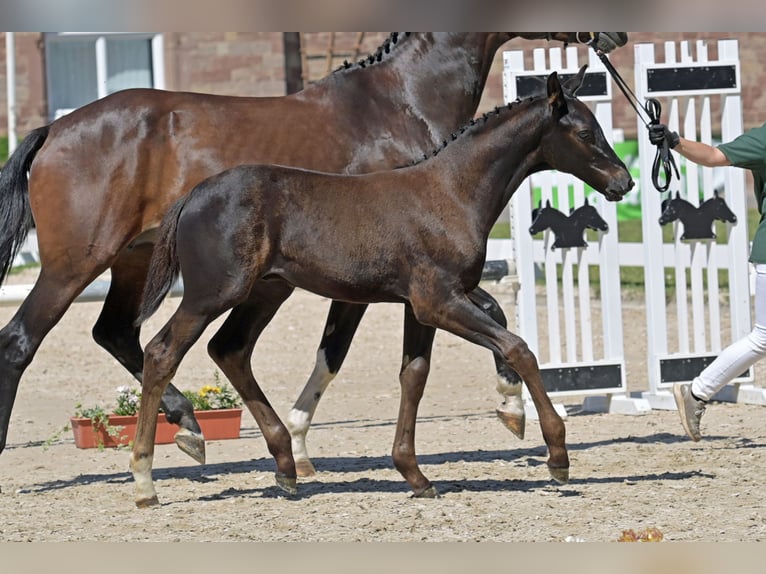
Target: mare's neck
438	77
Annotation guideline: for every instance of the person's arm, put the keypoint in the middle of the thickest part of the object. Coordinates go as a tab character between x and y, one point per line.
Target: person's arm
698	152
701	153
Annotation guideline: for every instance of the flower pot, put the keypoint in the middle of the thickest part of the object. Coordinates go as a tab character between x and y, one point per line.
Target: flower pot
216	425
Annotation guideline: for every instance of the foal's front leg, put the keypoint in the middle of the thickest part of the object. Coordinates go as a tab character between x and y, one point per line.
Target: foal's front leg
453	312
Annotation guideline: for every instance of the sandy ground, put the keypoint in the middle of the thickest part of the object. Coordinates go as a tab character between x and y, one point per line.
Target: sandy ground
628	472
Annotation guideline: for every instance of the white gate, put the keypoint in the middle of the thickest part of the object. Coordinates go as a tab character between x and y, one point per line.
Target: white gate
573	360
690	87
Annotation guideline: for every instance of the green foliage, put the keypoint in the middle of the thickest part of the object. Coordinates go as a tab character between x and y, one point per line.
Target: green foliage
213	397
3	150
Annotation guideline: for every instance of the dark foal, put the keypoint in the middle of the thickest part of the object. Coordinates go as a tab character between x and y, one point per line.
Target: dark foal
322	232
101	178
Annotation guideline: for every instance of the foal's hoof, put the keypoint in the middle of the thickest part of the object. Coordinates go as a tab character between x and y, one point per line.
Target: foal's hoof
304	468
192	444
429	492
513	421
147	502
289	485
560	475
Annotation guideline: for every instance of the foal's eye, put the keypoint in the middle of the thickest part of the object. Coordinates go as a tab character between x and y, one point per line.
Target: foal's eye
585	135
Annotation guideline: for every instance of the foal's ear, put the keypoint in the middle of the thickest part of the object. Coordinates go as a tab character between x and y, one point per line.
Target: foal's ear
556	98
575	82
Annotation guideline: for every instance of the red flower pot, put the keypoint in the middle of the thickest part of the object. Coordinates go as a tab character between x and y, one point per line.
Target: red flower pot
216	425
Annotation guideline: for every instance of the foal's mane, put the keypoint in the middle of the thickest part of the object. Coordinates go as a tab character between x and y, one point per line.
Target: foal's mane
469	127
377	56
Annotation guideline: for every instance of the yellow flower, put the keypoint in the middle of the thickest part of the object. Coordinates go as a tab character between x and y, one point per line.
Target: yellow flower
209	389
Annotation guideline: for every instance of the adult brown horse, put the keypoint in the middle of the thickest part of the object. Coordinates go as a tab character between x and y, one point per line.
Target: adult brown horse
101	178
318	231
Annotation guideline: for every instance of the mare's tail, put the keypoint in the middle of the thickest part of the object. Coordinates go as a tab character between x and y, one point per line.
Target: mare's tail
164	267
15	211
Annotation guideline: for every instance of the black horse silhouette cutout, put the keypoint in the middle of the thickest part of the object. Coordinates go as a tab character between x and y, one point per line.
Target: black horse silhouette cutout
567	230
697	221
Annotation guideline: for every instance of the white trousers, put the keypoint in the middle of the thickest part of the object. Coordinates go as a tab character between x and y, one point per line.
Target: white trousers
740	355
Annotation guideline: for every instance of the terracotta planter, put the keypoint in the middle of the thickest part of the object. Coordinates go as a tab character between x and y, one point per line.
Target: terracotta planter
216	425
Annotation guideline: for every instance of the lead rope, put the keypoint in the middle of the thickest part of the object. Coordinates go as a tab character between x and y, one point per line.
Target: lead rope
653	110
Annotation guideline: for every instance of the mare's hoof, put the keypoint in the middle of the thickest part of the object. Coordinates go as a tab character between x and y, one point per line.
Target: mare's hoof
192	444
289	485
304	468
513	421
147	502
560	475
429	492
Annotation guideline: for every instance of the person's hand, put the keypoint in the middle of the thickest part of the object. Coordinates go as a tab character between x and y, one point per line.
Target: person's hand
607	41
659	133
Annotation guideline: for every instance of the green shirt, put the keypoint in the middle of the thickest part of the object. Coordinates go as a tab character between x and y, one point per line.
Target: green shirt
748	151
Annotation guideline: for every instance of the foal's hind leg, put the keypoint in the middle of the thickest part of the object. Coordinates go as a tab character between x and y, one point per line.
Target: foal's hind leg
232	348
416	363
115	331
342	322
456	314
511	411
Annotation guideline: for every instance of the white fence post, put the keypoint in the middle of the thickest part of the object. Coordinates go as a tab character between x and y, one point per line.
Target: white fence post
570	363
684	83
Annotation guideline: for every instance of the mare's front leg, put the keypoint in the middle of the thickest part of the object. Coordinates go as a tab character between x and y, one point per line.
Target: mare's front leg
116	332
416	364
511	411
454	312
342	322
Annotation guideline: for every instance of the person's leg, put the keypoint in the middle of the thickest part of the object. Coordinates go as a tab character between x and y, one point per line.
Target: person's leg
733	360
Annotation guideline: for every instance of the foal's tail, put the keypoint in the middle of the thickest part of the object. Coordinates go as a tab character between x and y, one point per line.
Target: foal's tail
15	211
164	267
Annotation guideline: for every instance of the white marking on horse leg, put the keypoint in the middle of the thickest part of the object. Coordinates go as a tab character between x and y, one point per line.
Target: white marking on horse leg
511	392
142	474
299	418
511	411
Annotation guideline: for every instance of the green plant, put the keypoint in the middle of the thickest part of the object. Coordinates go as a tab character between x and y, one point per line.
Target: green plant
214	397
99	417
128	400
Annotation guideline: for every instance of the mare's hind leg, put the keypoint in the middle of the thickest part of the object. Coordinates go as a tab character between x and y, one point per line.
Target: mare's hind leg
50	297
455	313
232	348
342	322
115	331
416	363
511	411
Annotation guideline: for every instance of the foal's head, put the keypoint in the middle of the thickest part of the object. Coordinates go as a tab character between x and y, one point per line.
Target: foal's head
573	142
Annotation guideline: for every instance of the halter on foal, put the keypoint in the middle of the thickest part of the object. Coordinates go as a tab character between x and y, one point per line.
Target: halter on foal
318	231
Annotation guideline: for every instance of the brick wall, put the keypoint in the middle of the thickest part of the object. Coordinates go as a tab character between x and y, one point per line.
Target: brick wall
30	83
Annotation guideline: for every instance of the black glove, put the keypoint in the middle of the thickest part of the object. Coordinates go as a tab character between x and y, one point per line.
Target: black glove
659	133
607	41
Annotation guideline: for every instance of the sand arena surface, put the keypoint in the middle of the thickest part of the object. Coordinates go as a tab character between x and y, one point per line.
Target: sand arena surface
628	472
